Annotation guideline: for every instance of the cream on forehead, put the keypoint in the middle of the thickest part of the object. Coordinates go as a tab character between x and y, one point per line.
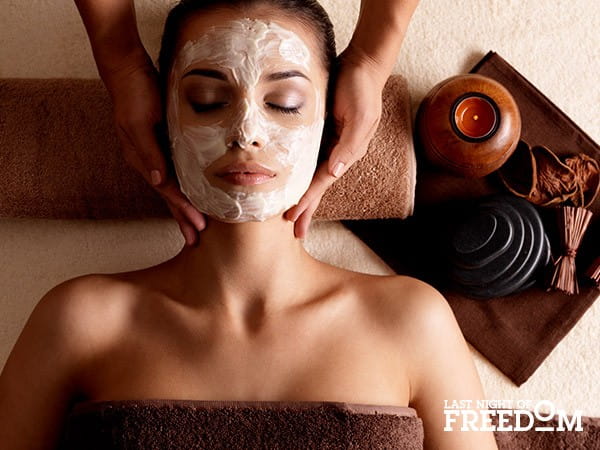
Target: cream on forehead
245	47
241	43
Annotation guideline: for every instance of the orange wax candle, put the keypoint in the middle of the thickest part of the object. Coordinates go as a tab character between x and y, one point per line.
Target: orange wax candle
475	117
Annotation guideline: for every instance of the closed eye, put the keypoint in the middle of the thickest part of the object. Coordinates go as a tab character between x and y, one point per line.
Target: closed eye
283	109
203	107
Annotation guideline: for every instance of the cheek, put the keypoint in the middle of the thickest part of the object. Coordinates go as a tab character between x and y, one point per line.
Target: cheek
206	144
298	144
191	142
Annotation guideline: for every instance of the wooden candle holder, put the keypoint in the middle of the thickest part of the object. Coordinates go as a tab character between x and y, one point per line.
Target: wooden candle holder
469	125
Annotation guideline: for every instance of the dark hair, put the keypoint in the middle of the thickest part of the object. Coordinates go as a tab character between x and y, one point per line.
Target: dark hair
309	12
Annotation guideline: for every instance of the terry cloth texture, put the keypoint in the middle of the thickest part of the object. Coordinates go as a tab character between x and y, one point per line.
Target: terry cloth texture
61	159
202	424
516	332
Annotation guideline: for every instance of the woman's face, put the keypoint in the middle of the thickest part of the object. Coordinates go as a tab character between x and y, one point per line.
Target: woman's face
245	91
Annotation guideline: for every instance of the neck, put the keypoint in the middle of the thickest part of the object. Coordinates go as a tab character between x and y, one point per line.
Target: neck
245	270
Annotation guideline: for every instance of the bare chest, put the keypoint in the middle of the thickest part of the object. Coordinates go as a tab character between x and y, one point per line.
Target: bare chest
333	357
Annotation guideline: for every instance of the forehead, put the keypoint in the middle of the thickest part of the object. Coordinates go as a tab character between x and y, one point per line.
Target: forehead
209	35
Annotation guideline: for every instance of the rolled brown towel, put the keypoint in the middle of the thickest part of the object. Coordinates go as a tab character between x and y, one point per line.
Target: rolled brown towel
60	158
202	424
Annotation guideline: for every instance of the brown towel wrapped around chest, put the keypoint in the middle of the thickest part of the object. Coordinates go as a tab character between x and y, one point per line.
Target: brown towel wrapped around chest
60	158
203	424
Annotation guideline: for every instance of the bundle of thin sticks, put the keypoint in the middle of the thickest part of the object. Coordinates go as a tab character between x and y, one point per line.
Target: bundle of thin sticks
594	272
573	223
570	185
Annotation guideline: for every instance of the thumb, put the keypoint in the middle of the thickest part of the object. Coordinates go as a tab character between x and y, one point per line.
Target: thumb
351	146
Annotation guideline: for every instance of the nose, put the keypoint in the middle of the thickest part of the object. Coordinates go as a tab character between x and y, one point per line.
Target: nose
241	139
247	130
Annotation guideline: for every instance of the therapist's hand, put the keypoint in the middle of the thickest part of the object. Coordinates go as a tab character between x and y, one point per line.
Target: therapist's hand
137	114
356	112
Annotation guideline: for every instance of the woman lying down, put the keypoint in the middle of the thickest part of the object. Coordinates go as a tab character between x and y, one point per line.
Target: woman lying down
247	316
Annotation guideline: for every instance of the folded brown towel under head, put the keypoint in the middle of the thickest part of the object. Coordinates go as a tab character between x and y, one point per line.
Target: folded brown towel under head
204	424
61	159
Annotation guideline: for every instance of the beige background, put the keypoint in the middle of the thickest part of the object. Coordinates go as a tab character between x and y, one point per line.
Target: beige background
555	45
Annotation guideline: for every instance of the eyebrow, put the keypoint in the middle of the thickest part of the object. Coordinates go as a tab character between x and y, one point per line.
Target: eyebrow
287	74
210	73
207	73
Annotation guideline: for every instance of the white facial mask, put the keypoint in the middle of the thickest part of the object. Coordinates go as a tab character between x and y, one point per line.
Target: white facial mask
242	46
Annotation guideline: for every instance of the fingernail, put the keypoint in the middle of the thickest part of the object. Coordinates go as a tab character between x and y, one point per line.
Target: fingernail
337	170
155	175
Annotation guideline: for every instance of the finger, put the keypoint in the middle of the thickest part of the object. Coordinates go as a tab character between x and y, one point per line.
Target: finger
352	144
171	192
303	223
187	230
131	156
321	181
146	144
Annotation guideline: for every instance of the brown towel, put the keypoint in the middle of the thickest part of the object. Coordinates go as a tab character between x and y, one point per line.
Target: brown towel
202	424
60	158
516	333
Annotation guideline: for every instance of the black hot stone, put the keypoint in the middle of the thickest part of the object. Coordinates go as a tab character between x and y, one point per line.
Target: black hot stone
478	273
482	238
525	264
540	270
499	248
517	273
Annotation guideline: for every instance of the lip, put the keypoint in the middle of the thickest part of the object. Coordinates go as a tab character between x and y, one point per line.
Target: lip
246	173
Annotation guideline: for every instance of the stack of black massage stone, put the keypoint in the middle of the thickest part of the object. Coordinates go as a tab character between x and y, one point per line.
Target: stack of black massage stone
501	248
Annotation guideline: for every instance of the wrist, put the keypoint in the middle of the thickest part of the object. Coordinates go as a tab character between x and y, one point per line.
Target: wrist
112	59
114	66
380	30
356	57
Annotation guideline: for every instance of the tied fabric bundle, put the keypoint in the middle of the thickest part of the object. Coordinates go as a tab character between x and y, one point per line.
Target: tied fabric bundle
537	174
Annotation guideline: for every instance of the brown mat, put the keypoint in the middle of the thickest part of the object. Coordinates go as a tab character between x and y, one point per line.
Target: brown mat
517	332
201	424
61	160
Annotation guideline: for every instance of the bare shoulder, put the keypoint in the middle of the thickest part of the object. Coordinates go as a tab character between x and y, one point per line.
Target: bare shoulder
417	318
409	304
435	355
42	374
419	314
87	310
85	295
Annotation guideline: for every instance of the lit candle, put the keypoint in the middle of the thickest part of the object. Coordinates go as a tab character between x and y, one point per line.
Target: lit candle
475	117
